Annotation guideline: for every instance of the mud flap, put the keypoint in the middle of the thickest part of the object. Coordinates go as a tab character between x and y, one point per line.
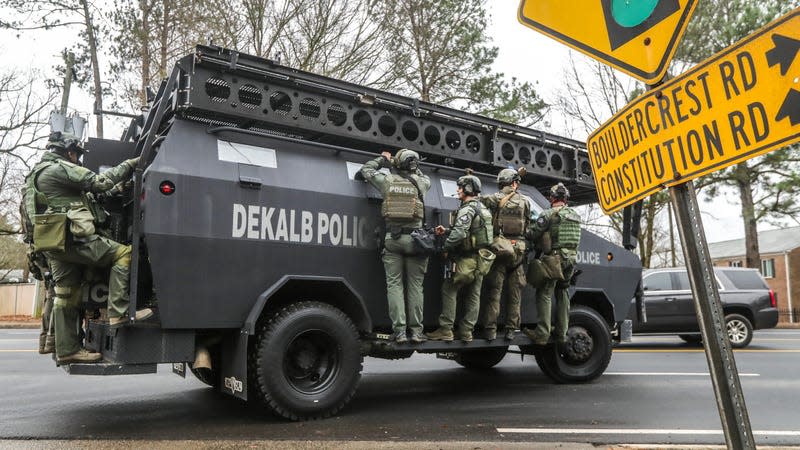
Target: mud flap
234	364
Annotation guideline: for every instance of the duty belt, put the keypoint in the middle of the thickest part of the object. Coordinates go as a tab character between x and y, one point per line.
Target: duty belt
397	231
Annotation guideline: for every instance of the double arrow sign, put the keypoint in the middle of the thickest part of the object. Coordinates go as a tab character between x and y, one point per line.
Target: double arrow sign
738	104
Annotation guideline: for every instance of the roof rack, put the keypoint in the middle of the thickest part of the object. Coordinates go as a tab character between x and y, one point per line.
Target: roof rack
219	86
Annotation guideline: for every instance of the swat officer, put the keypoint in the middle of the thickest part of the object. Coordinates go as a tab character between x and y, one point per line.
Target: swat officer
511	212
562	225
403	210
466	245
59	185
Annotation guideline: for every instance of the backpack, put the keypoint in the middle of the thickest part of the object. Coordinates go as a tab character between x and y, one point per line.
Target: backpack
511	215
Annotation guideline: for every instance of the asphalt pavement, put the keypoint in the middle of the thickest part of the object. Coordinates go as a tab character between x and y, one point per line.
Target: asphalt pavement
656	391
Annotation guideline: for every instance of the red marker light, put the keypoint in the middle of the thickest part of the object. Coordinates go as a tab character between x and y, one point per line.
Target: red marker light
167	187
772	300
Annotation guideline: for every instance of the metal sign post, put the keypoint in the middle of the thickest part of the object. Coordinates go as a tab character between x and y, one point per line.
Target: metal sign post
719	355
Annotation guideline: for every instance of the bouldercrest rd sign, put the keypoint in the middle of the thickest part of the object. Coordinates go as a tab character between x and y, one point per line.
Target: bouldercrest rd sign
738	104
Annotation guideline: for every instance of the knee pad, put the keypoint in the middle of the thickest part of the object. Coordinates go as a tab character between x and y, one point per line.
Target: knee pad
122	257
63	296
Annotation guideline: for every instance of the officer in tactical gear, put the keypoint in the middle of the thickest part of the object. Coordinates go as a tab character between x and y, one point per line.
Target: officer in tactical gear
403	210
511	212
57	203
467	247
562	225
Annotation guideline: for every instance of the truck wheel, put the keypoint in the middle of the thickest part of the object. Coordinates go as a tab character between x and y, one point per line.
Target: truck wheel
586	353
740	330
691	338
306	362
481	358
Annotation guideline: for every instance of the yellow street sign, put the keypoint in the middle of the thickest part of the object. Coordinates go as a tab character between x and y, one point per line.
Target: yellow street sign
740	103
638	37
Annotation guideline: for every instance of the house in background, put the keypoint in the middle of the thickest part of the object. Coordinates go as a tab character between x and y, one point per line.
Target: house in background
780	265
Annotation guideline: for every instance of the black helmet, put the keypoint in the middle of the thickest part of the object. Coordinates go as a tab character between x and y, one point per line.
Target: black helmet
406	159
60	142
507	176
559	192
469	183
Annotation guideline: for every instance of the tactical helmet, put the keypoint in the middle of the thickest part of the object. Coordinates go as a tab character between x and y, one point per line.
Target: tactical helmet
406	159
507	176
58	141
559	192
469	183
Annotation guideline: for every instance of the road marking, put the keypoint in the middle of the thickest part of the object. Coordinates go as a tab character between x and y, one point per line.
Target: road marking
17	340
639	431
18	351
699	350
675	374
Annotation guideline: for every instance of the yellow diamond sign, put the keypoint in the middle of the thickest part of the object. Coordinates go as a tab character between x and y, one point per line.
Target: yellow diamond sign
740	103
638	37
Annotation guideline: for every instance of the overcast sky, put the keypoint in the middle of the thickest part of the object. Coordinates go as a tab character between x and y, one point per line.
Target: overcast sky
524	54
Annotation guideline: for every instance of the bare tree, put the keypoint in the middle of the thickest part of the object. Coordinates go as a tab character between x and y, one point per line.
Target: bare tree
40	15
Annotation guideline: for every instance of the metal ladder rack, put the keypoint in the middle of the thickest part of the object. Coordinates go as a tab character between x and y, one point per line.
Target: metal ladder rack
222	87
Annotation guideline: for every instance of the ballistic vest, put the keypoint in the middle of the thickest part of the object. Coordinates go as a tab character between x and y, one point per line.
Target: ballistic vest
481	233
401	201
565	228
511	216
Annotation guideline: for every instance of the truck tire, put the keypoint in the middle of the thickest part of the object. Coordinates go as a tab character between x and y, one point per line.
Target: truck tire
740	330
306	362
586	354
691	338
481	358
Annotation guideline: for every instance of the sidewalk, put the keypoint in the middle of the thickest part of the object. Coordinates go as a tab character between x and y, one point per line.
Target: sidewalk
19	322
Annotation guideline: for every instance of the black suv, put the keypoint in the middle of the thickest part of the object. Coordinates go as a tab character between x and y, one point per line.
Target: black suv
747	301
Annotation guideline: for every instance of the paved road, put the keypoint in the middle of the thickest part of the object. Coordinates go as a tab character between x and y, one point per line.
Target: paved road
656	390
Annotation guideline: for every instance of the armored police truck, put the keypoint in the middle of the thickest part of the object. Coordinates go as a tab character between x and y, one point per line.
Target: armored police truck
256	242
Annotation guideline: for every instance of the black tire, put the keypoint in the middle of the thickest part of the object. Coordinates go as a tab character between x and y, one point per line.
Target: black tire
740	330
306	362
209	376
691	338
481	358
586	354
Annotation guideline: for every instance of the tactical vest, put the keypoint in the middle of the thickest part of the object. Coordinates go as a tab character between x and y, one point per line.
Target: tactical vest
33	201
481	232
511	216
565	228
401	201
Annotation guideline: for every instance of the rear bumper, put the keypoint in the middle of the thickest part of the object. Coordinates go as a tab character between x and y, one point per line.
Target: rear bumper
765	318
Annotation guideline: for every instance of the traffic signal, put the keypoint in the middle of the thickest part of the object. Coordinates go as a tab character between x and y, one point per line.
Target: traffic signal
627	19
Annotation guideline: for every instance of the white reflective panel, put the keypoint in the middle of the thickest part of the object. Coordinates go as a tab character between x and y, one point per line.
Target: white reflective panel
246	154
449	188
353	168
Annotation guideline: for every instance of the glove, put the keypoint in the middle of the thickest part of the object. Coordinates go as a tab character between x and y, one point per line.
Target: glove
133	162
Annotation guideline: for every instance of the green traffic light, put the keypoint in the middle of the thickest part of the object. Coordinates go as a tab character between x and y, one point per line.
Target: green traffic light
629	13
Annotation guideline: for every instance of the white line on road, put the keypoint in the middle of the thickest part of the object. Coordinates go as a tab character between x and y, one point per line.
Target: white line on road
635	431
675	374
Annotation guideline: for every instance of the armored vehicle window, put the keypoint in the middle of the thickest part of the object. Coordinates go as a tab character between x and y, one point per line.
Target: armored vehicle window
658	282
746	279
246	154
449	188
353	168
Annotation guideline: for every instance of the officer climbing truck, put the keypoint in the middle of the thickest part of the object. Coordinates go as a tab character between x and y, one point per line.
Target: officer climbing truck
256	244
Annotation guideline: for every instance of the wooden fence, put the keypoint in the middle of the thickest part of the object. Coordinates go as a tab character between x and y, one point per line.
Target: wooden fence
17	299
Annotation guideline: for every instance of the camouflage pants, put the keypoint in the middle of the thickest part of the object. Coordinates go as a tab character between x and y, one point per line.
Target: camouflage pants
67	270
405	273
544	296
514	272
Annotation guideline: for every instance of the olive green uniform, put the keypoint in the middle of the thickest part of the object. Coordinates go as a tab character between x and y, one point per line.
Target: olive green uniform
511	269
563	225
462	244
64	186
405	268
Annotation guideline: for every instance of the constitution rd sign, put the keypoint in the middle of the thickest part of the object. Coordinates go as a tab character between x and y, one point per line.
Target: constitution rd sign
738	104
638	37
